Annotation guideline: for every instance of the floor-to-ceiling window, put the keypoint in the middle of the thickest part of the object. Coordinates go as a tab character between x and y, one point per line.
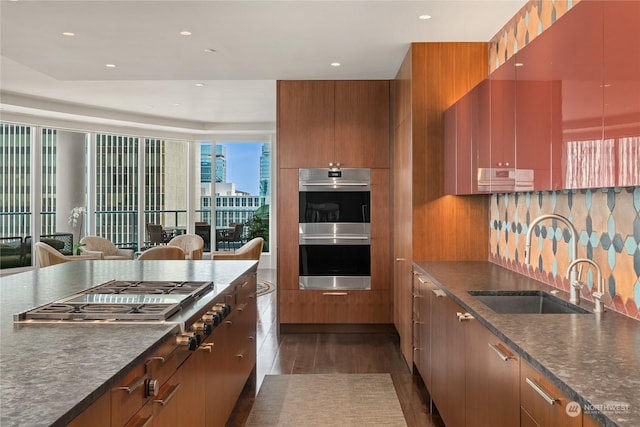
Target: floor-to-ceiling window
235	178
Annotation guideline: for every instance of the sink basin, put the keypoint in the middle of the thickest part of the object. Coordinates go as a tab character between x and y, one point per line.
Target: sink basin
526	302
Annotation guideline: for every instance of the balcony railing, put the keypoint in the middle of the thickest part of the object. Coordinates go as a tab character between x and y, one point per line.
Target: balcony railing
121	227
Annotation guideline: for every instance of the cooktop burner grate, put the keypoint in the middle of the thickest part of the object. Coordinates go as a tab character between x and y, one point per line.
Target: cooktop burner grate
122	300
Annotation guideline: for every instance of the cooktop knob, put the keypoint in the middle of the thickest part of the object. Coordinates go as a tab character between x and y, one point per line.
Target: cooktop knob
188	341
151	388
203	326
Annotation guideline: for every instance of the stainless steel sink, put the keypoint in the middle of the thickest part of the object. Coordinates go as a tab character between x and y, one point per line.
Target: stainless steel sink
526	302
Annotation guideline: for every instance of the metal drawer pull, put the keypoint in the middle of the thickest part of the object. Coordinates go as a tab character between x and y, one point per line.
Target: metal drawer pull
417	296
135	384
439	293
538	389
228	322
169	395
422	280
206	347
499	352
464	316
337	294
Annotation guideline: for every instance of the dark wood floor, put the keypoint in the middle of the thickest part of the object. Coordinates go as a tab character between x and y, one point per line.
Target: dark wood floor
330	353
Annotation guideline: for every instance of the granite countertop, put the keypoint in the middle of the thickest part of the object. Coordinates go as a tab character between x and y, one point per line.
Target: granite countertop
50	372
593	358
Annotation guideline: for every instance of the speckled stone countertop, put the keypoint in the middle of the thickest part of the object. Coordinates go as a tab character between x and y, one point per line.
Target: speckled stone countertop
593	358
49	373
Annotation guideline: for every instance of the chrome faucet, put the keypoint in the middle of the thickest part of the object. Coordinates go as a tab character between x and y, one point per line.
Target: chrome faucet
576	285
569	224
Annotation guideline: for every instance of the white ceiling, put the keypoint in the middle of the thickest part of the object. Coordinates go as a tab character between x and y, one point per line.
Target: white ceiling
256	43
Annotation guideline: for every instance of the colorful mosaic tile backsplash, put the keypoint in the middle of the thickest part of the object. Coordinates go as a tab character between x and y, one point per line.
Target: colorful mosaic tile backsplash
608	226
535	17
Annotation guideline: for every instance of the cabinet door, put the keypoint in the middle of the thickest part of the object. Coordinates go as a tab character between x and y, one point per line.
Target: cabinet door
191	398
534	95
362	130
543	401
165	404
380	229
422	323
480	132
463	143
288	254
622	88
310	306
447	369
450	147
492	379
96	415
305	118
503	115
587	160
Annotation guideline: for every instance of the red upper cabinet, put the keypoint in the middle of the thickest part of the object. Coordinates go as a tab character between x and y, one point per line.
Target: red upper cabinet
463	143
480	134
622	88
503	115
450	157
534	111
577	55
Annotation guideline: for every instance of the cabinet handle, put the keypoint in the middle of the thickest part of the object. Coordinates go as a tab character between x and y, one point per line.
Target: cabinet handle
422	280
228	322
417	296
169	395
439	293
464	316
206	347
134	385
538	389
400	259
499	352
240	356
336	294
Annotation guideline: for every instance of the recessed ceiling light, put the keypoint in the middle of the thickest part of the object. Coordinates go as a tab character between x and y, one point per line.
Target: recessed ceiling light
209	50
424	17
335	64
177	104
185	33
68	34
199	84
110	65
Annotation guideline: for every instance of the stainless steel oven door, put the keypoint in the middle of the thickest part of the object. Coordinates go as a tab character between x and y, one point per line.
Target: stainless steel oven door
335	256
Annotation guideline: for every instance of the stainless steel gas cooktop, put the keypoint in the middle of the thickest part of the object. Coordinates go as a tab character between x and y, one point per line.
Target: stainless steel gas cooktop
122	300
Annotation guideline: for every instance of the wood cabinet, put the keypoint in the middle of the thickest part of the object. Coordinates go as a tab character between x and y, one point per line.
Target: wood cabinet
422	348
447	360
305	117
96	415
542	403
492	374
322	122
198	388
327	307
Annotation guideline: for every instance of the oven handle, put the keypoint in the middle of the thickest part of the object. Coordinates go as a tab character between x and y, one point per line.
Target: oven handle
334	184
335	236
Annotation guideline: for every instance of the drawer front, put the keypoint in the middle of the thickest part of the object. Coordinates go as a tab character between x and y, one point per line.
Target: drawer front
128	396
543	401
311	306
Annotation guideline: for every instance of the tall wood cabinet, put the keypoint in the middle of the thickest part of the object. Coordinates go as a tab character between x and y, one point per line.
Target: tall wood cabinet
426	225
333	122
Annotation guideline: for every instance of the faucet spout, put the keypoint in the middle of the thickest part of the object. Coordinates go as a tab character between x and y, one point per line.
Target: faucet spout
575	282
570	226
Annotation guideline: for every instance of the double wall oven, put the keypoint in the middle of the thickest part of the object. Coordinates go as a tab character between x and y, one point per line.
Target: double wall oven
335	228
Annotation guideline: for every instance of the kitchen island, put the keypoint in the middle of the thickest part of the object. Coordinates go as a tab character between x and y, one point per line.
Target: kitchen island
51	371
592	358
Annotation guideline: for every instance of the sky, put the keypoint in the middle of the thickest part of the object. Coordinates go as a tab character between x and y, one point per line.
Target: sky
243	165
